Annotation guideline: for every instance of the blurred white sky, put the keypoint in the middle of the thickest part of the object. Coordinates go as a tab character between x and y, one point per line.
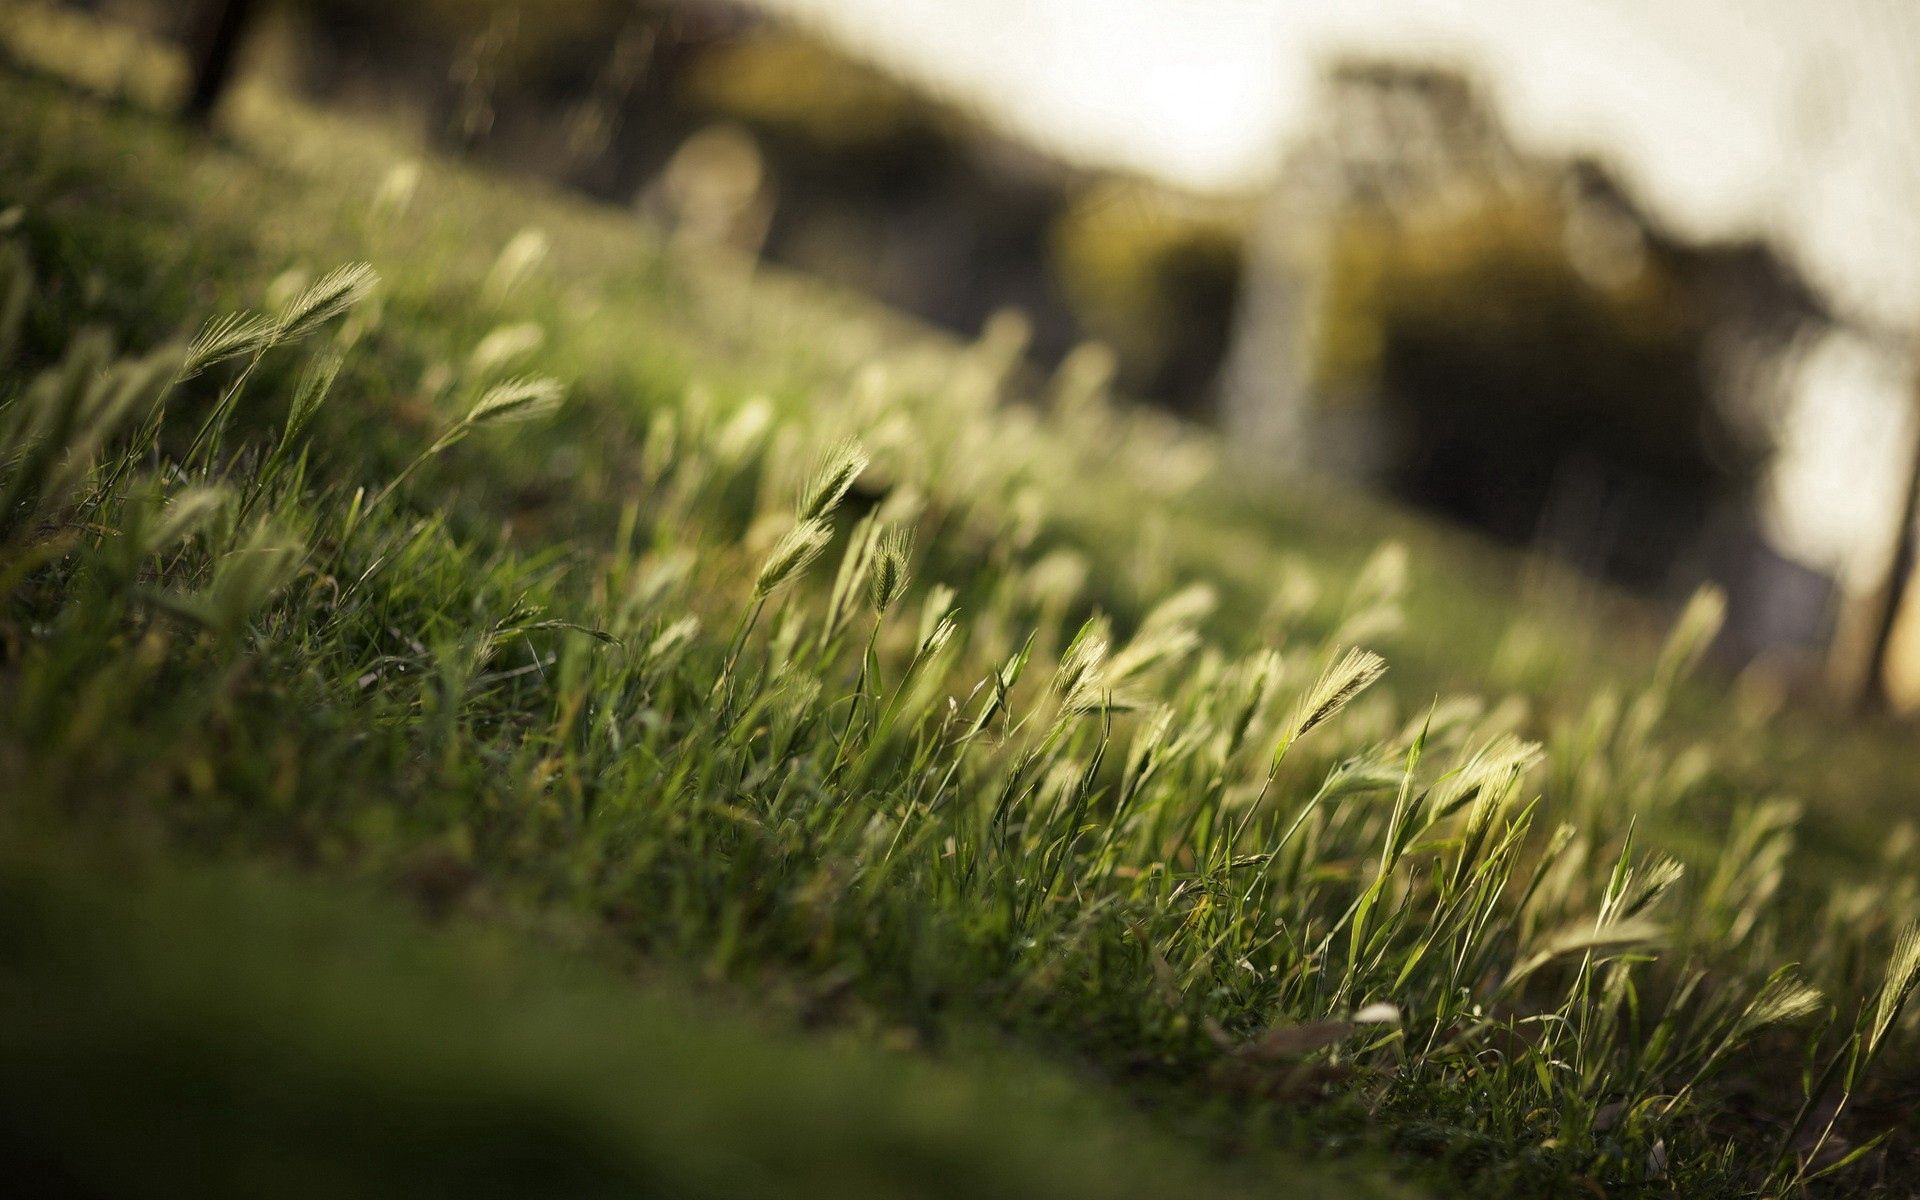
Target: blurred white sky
1799	119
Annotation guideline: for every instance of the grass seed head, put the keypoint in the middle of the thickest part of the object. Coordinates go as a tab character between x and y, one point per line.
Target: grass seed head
515	400
1782	1001
1353	673
1081	678
936	639
519	258
333	294
503	346
228	337
830	482
1692	633
1903	976
888	578
791	555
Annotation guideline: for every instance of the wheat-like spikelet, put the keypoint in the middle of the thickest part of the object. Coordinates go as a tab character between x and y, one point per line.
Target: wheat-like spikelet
1902	977
831	480
515	400
1353	673
888	577
328	297
791	555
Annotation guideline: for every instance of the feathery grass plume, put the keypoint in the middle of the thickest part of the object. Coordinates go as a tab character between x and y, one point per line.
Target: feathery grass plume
852	579
1253	680
1851	1063
504	345
1296	590
228	337
335	293
1903	976
1781	1001
666	644
35	426
244	579
1358	776
1354	672
151	523
831	480
316	383
1056	579
519	258
744	433
1080	680
1184	608
1383	578
934	608
1587	937
1166	634
328	297
184	514
1083	382
508	403
52	436
791	555
1373	608
1698	624
129	389
661	446
1144	755
247	577
1654	882
887	579
1752	866
524	399
395	194
935	639
308	395
1488	769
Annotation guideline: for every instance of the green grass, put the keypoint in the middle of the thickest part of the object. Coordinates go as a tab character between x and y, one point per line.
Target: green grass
785	655
178	1037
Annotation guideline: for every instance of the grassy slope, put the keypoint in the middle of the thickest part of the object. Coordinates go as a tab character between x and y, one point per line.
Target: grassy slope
293	189
512	1054
142	229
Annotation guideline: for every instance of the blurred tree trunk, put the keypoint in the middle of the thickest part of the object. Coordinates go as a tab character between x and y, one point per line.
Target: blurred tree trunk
1893	595
213	49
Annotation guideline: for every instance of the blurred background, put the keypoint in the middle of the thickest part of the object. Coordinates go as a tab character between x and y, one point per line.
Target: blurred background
1633	283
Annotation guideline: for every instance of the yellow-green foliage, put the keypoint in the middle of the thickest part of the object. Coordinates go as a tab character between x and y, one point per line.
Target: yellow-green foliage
1477	275
1143	269
1494	343
796	85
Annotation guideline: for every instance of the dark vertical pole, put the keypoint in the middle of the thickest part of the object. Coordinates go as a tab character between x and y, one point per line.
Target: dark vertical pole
1906	555
213	49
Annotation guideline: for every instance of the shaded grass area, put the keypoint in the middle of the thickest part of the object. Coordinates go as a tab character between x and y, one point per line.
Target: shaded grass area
545	683
216	1031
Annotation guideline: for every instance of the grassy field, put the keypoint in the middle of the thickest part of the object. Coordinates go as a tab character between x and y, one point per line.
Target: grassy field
532	714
